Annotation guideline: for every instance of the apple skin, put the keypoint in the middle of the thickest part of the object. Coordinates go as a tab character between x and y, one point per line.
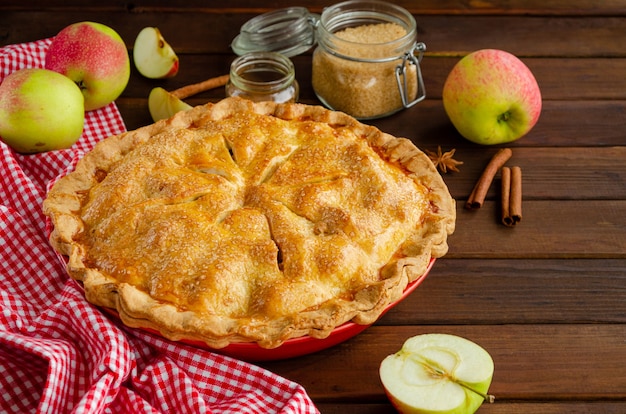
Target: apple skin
154	58
163	105
492	97
95	57
40	110
433	374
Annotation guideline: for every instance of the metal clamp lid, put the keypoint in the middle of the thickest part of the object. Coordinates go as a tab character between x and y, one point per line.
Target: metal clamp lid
401	76
289	31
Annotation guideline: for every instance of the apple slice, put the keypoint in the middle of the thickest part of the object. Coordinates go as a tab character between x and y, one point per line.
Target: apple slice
154	58
163	104
437	373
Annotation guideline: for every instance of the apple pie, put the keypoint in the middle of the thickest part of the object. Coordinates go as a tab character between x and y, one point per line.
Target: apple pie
250	222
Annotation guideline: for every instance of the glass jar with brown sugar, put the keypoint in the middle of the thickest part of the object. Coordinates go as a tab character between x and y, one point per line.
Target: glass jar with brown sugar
365	63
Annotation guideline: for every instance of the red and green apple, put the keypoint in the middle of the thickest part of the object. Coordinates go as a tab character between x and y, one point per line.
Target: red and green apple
492	97
95	57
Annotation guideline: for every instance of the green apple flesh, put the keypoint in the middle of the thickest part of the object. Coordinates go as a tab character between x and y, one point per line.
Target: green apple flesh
154	58
95	57
492	97
163	105
437	373
40	110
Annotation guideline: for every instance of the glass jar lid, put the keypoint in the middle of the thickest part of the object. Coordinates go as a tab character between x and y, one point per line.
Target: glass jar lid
288	31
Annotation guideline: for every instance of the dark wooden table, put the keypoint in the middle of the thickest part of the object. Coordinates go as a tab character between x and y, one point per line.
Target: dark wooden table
547	298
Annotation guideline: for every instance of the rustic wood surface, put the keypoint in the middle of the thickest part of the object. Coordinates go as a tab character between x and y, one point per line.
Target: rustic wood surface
547	298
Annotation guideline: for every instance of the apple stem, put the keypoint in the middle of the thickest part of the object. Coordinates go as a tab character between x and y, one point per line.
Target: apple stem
436	371
504	117
189	90
487	397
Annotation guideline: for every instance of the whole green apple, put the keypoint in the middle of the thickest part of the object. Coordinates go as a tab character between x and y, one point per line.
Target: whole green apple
492	97
40	110
95	57
437	374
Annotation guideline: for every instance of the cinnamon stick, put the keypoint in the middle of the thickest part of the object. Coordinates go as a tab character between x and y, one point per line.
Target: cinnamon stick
189	90
478	194
511	195
505	195
516	194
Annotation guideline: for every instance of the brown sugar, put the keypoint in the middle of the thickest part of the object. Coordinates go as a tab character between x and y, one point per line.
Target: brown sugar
351	82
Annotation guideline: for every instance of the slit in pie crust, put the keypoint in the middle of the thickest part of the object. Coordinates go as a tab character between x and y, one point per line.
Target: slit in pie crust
250	222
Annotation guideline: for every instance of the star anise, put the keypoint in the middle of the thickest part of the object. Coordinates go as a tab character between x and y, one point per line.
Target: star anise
443	160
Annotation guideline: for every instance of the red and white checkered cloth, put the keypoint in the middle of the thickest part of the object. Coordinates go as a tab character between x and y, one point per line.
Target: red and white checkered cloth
60	354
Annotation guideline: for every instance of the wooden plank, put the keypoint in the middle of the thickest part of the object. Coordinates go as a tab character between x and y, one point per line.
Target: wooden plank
448	35
536	36
549	229
532	362
500	291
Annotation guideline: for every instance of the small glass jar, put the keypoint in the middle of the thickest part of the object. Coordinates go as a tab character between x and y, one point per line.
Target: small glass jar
263	76
365	62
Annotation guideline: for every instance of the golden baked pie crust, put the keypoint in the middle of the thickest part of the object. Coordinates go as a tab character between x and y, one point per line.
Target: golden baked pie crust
250	222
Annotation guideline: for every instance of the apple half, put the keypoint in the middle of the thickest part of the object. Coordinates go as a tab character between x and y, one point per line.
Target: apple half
163	104
154	58
438	373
